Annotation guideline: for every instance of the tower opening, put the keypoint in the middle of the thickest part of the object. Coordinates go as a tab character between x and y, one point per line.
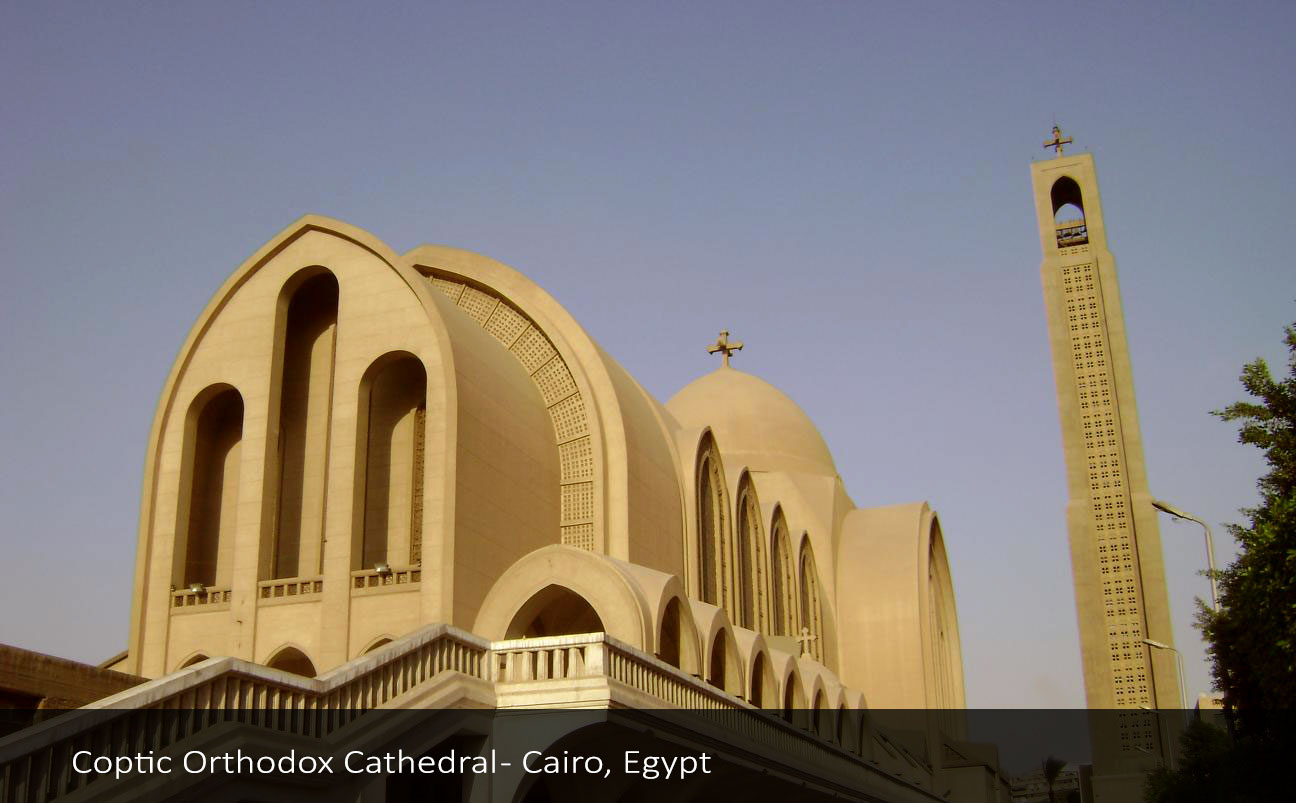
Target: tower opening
1068	213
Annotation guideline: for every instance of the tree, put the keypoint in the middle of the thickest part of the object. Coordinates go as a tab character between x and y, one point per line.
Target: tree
1253	636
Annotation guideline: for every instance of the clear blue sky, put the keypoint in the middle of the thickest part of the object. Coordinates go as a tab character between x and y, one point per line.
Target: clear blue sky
844	186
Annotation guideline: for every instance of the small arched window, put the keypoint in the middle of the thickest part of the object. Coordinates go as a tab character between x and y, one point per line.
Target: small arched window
715	554
751	560
811	605
783	595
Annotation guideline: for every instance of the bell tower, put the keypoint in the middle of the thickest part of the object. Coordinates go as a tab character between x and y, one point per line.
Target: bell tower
1116	563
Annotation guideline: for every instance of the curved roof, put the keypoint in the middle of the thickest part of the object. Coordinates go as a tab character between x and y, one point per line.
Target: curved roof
754	423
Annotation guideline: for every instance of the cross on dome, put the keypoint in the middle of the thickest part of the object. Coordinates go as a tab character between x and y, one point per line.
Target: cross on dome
723	346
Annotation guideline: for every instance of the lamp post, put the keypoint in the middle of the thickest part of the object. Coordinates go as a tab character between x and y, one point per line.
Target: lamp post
1166	507
1157	645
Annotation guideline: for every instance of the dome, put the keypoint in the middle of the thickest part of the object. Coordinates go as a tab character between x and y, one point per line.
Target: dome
755	423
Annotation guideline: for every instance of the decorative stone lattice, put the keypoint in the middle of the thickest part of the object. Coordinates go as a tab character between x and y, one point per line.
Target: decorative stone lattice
552	377
1110	502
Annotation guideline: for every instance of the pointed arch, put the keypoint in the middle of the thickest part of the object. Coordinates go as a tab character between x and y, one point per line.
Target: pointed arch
715	552
811	604
196	658
554	610
206	516
783	578
753	608
291	659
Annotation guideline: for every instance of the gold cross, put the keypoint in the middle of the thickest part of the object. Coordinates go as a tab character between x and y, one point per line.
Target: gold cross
723	346
1058	141
804	639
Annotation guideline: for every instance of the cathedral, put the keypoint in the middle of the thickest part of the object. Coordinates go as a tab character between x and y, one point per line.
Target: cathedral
382	480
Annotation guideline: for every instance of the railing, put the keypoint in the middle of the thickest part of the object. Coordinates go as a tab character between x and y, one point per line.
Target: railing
36	764
1071	232
295	587
188	597
372	578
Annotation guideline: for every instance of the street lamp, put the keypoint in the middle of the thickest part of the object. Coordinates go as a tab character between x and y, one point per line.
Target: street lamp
1166	507
1183	700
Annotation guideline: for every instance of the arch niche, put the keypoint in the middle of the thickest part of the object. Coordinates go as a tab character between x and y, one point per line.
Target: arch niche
554	610
209	494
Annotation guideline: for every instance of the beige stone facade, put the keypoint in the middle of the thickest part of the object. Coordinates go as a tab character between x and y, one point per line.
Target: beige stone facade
1120	587
363	459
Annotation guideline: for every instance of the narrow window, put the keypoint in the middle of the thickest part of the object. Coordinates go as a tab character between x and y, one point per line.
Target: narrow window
205	547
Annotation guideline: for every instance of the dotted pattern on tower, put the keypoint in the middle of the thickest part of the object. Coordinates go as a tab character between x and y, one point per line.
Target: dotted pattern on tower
1114	538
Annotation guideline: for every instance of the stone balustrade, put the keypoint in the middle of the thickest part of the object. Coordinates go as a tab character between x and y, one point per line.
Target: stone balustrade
291	587
35	765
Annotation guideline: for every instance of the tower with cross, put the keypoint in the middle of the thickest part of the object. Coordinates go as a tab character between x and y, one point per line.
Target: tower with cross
1116	562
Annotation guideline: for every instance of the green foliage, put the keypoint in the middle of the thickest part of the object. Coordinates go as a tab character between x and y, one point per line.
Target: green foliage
1253	636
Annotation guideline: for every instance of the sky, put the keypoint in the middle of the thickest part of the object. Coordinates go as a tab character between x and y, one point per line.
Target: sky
845	187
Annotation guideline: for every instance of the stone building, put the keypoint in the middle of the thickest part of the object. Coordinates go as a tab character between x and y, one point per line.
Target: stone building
364	459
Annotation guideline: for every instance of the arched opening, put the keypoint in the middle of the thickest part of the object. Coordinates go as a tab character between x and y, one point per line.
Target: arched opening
811	606
554	611
209	504
783	574
382	642
763	692
751	559
1068	213
196	659
305	402
843	728
291	659
389	463
714	554
668	641
719	662
820	714
793	700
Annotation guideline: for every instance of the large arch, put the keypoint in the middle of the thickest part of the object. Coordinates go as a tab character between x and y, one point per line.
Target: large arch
304	350
620	607
246	312
906	653
610	429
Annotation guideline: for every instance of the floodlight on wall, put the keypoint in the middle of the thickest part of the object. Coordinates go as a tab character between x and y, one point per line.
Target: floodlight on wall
197	588
383	569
